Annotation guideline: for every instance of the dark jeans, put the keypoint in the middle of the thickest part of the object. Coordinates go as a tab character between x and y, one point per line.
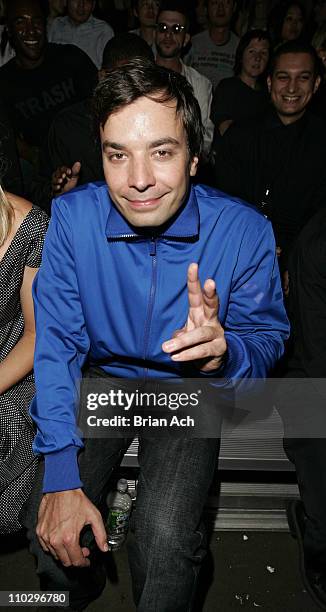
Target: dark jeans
303	410
167	542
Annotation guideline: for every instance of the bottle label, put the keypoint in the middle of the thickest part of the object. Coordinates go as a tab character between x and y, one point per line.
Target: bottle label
118	521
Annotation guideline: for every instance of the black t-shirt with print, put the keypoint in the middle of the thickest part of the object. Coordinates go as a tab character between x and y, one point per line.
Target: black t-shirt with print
33	97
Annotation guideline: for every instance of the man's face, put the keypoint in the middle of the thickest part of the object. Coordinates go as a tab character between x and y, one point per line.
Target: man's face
146	161
220	12
255	57
169	44
292	85
147	11
26	25
80	11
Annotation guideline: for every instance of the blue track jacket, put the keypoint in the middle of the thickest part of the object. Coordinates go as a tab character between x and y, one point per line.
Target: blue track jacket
111	295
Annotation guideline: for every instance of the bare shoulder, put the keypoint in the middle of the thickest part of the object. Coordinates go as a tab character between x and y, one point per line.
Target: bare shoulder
20	206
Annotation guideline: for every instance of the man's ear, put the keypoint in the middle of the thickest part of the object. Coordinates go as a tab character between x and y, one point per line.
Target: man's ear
193	166
317	83
186	40
269	83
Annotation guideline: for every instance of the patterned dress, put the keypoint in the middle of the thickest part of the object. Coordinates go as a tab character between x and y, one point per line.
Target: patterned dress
17	462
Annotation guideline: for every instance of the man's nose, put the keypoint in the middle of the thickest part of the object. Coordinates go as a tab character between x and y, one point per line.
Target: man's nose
292	85
141	175
31	27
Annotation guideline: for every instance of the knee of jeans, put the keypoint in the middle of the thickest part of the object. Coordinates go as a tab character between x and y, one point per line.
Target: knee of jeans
168	533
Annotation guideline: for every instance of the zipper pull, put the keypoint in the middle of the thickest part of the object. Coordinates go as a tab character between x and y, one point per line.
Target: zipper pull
153	247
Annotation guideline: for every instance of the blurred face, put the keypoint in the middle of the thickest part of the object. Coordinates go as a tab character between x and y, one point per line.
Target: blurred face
26	25
80	11
292	85
146	161
57	7
170	43
220	12
201	12
320	12
255	58
147	12
322	55
293	24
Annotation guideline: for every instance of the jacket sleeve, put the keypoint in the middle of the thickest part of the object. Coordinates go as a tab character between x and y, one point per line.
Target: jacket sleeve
62	345
256	324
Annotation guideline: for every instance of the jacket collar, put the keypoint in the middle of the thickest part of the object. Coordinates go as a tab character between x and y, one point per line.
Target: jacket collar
183	226
272	121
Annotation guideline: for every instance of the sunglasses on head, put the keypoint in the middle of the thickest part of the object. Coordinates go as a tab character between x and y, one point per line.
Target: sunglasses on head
176	28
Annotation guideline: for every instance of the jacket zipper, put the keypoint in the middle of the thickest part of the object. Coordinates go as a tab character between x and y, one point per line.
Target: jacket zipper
151	302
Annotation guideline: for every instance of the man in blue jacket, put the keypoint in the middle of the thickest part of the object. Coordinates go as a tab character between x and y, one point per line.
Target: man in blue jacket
145	277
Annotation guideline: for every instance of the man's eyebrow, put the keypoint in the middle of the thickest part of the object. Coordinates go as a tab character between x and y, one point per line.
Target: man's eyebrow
163	141
117	146
309	72
107	144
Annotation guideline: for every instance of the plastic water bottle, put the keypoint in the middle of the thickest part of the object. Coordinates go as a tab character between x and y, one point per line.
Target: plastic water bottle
119	503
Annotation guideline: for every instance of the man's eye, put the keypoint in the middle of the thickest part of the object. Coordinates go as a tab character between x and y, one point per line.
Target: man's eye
116	156
162	153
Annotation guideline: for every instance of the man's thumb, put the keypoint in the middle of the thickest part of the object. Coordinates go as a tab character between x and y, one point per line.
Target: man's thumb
75	170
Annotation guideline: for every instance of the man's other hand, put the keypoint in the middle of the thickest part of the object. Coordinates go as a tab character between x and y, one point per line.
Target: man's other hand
61	518
202	338
64	178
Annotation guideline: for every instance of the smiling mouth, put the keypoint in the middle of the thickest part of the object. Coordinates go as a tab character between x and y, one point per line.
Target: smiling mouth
31	43
141	204
291	99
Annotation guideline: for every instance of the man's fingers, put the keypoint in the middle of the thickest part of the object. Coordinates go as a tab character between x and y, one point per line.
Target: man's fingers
195	295
213	349
210	300
178	332
99	532
191	338
69	552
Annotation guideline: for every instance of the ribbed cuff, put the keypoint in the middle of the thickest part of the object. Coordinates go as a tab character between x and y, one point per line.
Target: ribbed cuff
62	470
233	366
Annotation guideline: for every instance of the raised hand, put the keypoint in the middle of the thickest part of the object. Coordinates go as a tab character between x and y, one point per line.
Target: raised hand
64	178
202	338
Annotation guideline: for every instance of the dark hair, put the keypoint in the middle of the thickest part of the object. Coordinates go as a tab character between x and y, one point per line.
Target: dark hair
125	47
142	78
9	6
179	6
244	42
296	46
277	17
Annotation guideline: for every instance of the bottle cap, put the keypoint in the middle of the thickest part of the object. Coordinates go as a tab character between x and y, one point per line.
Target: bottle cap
122	485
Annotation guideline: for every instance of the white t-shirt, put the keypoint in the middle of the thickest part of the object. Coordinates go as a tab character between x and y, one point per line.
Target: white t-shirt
91	36
214	61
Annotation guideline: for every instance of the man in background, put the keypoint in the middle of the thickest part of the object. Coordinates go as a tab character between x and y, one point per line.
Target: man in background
172	36
79	27
213	51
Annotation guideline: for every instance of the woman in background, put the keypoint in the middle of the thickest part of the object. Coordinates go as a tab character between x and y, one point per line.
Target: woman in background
22	231
245	95
287	22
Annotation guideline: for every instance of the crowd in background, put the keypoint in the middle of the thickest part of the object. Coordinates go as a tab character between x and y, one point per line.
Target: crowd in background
257	68
226	45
